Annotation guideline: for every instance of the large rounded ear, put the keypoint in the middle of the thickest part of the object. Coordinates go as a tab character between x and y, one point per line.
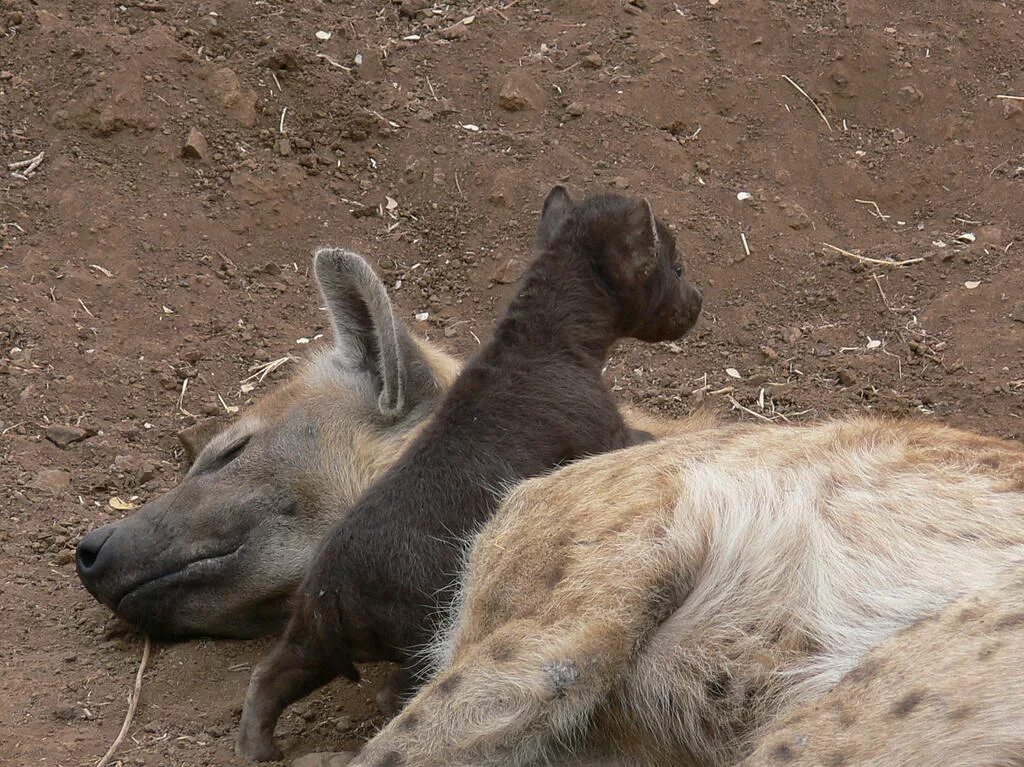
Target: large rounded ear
556	209
367	335
642	241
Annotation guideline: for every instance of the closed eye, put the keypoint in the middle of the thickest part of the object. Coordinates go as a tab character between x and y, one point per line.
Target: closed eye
227	456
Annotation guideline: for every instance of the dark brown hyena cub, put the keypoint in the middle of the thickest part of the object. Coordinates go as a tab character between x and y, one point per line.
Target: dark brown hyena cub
532	399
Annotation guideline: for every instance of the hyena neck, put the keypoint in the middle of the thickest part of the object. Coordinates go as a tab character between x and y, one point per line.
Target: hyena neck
561	305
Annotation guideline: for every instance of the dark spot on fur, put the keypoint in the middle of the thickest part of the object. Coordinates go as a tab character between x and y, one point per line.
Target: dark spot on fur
502	650
408	722
783	753
391	759
988	651
969	614
961	713
907	703
660	602
449	684
866	671
837	760
845	715
554	576
562	674
717	688
1011	621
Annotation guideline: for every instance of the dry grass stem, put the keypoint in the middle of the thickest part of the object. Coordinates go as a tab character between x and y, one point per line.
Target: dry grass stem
133	702
814	103
869	260
263	369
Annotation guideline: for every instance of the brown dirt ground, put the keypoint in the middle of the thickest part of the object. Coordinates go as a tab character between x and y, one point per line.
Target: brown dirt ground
126	269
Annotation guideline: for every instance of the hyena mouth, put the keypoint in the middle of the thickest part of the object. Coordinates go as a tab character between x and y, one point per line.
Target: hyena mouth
197	571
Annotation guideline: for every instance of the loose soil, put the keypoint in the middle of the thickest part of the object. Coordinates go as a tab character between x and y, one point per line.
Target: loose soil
132	264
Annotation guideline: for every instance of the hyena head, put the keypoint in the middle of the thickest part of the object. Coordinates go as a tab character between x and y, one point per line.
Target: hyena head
221	553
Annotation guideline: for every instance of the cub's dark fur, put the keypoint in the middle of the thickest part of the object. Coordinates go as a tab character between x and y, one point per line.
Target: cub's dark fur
532	399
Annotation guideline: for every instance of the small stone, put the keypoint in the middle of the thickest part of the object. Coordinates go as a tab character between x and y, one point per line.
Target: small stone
284	147
455	32
792	335
620	182
1017	313
575	109
991	235
239	102
282	60
409	8
592	61
796	217
1011	109
62	436
702	166
195	147
52	481
911	94
519	92
67	713
846	377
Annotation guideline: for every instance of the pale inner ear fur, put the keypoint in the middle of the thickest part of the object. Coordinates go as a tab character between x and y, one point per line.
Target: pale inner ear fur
366	332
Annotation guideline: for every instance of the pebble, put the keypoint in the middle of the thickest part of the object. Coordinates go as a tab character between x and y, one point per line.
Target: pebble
519	92
1017	313
53	481
410	8
237	101
575	109
455	32
592	61
195	147
62	436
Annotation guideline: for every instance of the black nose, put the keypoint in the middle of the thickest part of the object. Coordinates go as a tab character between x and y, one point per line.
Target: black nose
89	557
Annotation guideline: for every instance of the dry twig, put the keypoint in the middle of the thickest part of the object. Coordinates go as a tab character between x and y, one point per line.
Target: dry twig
792	82
869	260
133	702
736	405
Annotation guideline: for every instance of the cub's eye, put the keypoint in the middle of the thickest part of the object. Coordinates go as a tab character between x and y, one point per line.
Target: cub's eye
678	269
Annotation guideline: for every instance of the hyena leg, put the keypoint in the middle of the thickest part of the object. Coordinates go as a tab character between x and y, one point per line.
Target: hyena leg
291	671
512	698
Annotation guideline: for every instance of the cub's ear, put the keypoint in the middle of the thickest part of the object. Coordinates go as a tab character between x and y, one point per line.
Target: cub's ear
556	210
641	236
